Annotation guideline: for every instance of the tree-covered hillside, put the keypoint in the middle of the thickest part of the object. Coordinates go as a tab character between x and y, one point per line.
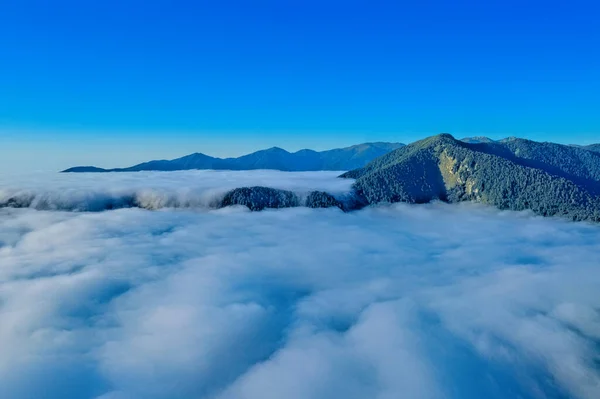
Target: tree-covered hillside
593	147
549	179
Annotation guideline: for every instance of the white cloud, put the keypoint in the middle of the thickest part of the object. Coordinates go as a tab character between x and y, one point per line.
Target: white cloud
428	301
153	190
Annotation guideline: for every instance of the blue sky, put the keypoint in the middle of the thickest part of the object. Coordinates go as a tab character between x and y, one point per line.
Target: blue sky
116	82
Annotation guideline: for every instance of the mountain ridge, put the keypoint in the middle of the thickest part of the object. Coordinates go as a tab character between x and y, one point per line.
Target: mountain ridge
271	158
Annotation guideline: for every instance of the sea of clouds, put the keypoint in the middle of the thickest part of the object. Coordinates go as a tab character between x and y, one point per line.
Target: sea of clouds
412	301
95	192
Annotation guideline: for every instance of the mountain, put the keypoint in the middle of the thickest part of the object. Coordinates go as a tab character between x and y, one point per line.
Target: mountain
516	174
85	169
273	158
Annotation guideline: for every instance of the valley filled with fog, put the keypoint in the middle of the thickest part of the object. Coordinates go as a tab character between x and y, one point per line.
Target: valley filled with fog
200	189
183	300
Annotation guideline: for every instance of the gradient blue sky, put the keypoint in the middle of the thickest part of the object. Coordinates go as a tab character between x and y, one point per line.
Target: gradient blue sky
113	82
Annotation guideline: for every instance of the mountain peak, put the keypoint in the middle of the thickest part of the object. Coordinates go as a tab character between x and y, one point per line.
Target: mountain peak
195	155
442	138
275	150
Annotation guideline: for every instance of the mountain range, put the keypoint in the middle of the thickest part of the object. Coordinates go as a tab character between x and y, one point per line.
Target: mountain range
273	158
511	174
514	174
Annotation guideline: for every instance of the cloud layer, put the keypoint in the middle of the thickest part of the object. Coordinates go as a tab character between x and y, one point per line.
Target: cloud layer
427	301
152	190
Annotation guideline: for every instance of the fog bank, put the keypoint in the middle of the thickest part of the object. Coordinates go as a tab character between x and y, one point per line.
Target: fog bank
426	301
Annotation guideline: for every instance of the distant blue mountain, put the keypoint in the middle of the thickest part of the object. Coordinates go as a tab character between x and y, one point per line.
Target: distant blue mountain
277	158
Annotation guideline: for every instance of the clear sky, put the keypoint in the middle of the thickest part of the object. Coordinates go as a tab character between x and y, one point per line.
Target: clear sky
116	82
